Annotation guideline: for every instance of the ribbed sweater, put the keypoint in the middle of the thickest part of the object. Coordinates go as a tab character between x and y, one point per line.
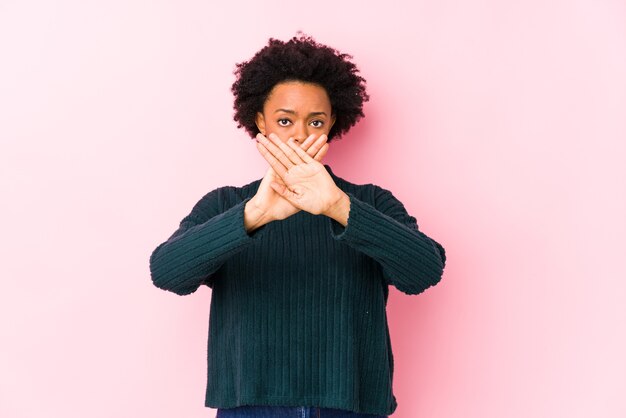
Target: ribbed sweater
298	306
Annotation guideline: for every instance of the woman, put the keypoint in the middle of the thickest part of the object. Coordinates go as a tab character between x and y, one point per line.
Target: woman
299	261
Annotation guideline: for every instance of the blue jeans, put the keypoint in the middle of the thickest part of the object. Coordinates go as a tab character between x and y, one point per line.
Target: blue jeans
263	411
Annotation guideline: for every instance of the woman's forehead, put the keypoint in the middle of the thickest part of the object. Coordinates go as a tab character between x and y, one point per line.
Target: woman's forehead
295	96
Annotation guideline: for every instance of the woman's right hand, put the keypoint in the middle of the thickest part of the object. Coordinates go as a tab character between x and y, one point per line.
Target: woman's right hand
272	205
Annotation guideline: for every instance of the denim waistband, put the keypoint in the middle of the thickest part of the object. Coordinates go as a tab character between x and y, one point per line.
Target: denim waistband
266	411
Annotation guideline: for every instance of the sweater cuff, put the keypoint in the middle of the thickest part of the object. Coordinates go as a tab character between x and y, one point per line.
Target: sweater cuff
351	232
228	231
409	258
190	257
255	234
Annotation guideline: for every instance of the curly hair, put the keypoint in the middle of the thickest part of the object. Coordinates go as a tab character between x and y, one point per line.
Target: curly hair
299	59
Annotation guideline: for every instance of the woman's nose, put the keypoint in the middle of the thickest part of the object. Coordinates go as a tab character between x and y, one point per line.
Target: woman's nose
300	134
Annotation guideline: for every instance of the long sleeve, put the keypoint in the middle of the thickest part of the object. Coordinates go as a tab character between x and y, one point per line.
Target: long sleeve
205	239
410	260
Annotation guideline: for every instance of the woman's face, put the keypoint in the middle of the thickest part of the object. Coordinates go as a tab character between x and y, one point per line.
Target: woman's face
296	109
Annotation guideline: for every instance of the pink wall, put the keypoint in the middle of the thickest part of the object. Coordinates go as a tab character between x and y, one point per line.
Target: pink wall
500	125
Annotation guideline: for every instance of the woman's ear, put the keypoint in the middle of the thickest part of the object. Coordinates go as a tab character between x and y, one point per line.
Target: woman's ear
260	122
333	119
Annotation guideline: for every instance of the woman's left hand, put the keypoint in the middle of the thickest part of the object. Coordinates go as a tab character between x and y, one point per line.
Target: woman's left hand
308	186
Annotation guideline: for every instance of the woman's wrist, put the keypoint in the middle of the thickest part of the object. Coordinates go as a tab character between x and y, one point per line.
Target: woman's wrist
340	209
253	217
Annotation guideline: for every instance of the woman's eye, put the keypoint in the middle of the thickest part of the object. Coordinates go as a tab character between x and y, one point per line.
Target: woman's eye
285	122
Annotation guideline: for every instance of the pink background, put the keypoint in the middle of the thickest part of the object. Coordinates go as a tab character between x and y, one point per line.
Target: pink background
500	125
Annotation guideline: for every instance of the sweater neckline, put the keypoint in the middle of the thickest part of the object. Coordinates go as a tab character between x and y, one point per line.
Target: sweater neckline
330	171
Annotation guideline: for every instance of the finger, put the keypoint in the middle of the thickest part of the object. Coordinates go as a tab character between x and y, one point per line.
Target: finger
306	157
317	145
306	145
271	146
322	152
275	177
289	153
279	188
284	191
278	167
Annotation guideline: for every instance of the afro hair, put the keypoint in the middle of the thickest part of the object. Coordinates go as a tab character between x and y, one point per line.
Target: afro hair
299	59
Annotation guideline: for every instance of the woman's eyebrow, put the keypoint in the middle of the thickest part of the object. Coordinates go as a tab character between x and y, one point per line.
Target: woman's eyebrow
295	113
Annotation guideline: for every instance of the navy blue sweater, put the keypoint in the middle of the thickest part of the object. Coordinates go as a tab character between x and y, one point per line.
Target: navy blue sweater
298	306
